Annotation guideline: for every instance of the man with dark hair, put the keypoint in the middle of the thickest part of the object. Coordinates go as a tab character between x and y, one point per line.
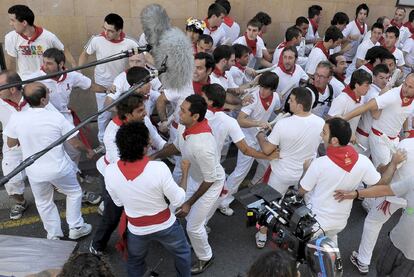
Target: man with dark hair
25	45
339	68
333	38
204	44
350	99
340	20
231	27
356	30
376	55
391	37
214	20
302	23
409	23
397	21
255	43
312	35
341	169
141	187
112	40
12	101
321	88
265	20
197	144
293	37
277	262
240	72
34	130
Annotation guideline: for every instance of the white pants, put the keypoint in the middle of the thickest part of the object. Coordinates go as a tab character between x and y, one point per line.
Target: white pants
104	118
10	161
48	212
332	234
364	141
372	227
380	153
244	163
197	218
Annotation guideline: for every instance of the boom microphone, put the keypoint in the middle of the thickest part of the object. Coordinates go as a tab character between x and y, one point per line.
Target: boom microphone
171	47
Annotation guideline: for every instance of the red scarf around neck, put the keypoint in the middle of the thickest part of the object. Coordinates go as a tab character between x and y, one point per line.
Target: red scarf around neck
212	29
17	106
352	94
197	86
405	101
37	32
360	27
239	66
118	121
228	21
320	45
266	102
398	25
410	134
370	66
282	67
121	37
58	79
409	26
252	44
131	170
314	25
198	128
341	77
219	73
343	156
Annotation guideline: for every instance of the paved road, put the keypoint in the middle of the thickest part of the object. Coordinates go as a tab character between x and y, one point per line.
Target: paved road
232	243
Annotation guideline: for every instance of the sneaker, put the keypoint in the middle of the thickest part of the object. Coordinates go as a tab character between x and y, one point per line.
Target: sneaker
94	251
84	230
200	266
208	229
260	240
362	268
55	238
91	197
227	211
101	208
17	210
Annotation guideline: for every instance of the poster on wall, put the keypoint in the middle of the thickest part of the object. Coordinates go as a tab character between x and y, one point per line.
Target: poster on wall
408	3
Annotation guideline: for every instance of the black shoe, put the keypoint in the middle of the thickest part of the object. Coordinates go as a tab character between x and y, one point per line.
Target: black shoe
200	266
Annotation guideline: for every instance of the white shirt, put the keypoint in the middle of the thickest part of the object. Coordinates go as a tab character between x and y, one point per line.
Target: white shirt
315	57
361	52
298	139
409	49
399	57
351	30
320	110
36	129
201	150
393	114
311	35
144	196
287	80
256	111
365	121
324	177
342	105
106	73
259	50
232	32
29	56
337	86
226	82
239	77
177	97
224	126
404	35
219	35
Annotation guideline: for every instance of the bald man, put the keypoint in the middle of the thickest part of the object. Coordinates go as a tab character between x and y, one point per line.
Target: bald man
34	130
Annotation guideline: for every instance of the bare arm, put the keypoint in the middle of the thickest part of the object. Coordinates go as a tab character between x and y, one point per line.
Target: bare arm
249	151
245	122
166	151
265	145
97	88
265	63
10	62
370	106
359	63
185	167
83	58
162	102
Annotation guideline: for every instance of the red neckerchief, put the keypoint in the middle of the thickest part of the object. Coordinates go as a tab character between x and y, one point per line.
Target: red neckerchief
392	49
37	33
370	66
360	28
219	73
252	44
239	66
58	79
409	26
228	21
340	78
320	45
410	134
214	109
314	25
343	156
17	106
118	121
405	101
381	40
282	45
321	90
283	68
121	37
396	25
132	170
266	102
198	128
351	94
197	86
212	29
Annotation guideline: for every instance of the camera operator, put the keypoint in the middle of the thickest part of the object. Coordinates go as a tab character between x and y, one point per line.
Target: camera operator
342	168
277	263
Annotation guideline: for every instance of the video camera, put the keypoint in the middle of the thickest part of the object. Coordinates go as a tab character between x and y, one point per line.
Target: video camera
292	226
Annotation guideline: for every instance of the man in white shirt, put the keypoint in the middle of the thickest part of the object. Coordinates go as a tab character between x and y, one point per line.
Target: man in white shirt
214	20
339	68
141	187
391	37
11	102
111	41
341	169
333	38
324	92
240	72
231	27
25	45
408	51
197	144
293	37
312	35
303	25
398	21
34	130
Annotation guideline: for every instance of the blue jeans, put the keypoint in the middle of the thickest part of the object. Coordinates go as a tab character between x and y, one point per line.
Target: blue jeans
172	238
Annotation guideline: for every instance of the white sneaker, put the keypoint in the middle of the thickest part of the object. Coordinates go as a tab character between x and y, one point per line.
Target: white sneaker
79	232
227	211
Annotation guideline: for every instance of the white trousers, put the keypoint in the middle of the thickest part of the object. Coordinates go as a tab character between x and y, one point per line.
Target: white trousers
372	227
380	153
244	163
197	218
48	212
364	141
332	234
104	118
10	161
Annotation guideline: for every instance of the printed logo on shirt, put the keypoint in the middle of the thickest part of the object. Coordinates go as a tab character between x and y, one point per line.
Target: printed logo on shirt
31	50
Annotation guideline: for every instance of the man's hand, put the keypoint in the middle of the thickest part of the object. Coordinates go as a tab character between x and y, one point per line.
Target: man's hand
247	100
265	126
183	210
275	155
185	165
399	157
250	71
341	195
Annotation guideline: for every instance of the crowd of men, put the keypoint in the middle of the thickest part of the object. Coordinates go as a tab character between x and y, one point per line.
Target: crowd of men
328	114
